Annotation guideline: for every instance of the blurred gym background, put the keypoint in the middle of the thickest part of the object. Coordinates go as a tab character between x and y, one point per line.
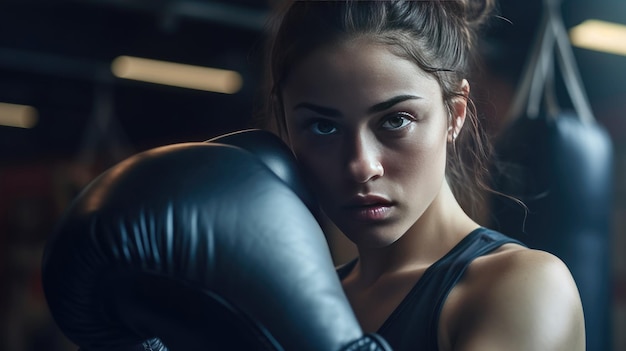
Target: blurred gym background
74	101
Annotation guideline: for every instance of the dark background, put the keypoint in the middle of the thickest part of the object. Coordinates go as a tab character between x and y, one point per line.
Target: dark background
56	56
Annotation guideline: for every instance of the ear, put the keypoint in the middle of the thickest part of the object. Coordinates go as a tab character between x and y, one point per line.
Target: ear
459	112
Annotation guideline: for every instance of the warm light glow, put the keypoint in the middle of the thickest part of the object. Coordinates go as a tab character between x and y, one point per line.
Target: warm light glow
177	74
19	116
600	36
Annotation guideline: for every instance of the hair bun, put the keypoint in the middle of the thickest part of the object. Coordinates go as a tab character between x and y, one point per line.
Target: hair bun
477	11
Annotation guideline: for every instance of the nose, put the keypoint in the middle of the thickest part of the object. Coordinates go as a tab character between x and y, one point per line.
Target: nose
364	159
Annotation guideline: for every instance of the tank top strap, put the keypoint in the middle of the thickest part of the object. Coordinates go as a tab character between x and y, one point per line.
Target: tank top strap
414	323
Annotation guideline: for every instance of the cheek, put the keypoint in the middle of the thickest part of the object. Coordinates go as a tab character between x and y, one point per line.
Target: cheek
319	168
315	169
419	163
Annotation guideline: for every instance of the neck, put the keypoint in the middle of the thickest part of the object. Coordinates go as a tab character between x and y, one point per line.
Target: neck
443	225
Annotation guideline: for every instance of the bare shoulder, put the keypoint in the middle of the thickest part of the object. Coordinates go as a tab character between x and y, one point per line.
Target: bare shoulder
519	267
515	298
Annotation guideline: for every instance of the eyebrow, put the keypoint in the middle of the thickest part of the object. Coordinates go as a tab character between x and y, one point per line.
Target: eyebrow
385	105
379	107
326	111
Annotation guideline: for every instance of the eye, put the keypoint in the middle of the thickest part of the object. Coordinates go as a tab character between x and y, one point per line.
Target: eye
397	121
322	127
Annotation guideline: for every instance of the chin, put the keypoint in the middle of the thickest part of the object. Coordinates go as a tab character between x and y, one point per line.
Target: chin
364	238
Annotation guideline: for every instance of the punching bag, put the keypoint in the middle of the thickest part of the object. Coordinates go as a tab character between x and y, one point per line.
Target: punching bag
558	163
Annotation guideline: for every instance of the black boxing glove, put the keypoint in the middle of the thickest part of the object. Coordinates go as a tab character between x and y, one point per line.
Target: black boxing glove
201	246
276	155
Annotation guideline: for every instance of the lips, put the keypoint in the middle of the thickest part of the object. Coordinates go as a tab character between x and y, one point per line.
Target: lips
369	207
369	200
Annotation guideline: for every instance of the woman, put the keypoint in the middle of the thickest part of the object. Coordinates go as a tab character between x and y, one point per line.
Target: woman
373	98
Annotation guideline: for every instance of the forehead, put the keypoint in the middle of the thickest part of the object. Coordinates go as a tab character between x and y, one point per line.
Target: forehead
363	69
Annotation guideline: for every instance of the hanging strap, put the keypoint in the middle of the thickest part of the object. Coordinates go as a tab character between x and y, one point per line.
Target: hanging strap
567	63
538	74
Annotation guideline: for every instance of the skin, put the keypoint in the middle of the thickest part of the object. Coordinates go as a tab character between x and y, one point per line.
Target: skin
363	122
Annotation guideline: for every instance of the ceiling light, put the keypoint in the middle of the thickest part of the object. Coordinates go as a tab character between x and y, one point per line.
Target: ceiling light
600	36
19	116
177	74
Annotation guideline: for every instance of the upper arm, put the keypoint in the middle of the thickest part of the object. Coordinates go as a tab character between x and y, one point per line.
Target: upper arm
523	300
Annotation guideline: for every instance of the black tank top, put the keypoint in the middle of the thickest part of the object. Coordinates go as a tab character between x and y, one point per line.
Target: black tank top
413	324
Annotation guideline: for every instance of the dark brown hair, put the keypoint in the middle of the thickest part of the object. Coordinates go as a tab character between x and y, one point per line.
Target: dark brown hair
439	36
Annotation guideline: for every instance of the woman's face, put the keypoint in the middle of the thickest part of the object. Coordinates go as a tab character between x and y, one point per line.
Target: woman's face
370	130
